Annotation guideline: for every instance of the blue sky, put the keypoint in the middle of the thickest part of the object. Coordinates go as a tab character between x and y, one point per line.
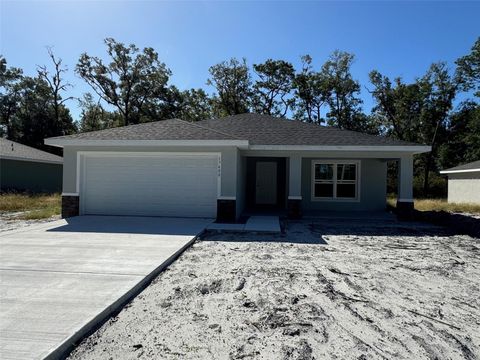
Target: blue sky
397	38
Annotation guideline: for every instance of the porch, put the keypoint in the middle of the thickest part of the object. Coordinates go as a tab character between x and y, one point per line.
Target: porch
298	183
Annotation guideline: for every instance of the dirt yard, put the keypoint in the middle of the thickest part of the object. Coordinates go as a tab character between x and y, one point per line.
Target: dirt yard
325	290
16	220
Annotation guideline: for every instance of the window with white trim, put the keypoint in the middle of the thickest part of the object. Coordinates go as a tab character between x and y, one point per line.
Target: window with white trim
335	180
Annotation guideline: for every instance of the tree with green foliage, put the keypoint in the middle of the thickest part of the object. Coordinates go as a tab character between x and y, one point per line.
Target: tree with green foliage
232	82
343	100
311	93
10	93
462	143
272	88
468	70
416	112
439	90
397	106
36	117
196	105
95	117
134	81
29	110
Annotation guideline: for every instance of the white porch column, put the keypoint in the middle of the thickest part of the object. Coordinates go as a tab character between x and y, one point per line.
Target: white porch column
405	184
295	178
295	187
227	198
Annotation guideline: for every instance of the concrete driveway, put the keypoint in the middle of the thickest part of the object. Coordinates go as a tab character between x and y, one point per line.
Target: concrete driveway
57	278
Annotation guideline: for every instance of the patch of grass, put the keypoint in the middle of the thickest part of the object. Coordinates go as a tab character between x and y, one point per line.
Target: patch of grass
39	206
438	205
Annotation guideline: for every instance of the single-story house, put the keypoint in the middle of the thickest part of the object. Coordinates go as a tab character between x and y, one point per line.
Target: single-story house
24	168
225	167
464	183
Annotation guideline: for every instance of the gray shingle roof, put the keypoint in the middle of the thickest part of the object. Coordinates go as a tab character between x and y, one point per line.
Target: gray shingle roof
267	130
257	129
13	150
470	166
172	129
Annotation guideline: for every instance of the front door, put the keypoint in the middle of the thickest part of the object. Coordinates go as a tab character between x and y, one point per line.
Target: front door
266	183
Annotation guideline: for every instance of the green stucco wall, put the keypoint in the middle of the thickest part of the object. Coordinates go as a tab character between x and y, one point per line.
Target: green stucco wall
373	188
30	176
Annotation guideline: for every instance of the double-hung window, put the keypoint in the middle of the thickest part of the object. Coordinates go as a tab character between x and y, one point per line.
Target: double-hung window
335	180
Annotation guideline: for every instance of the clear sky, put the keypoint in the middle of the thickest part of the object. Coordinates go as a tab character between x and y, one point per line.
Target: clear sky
397	38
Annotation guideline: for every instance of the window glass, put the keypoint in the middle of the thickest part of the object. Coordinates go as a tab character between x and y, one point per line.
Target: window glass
346	172
346	191
323	172
324	190
335	181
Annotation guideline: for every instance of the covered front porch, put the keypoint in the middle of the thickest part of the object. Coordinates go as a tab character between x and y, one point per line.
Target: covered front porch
297	183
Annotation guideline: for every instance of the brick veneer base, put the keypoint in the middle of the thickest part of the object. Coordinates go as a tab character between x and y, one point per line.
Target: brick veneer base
70	206
405	210
226	211
294	208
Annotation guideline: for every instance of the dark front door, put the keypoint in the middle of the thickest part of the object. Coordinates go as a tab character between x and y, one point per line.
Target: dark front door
266	183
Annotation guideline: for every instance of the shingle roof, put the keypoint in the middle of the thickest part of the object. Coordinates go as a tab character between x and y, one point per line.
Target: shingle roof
172	129
13	150
475	165
268	130
257	129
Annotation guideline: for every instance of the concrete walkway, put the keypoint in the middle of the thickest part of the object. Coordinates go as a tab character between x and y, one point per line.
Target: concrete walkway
56	278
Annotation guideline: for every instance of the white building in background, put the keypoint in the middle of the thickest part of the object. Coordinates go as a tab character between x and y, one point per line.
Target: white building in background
464	183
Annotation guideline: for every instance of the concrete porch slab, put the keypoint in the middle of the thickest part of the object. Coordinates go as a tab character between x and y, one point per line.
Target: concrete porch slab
263	224
268	224
226	227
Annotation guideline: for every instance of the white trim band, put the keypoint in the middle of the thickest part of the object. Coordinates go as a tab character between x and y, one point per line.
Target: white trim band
294	197
70	194
459	171
227	198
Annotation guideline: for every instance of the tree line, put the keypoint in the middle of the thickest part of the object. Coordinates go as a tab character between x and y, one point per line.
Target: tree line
132	85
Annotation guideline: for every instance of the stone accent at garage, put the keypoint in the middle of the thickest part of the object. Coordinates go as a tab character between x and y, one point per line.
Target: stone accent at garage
294	207
226	210
404	210
70	206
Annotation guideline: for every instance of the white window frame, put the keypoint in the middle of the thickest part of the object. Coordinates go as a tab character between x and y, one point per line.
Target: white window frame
357	163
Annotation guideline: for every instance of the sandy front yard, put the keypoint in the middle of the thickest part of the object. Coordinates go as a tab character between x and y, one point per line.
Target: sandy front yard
10	221
326	289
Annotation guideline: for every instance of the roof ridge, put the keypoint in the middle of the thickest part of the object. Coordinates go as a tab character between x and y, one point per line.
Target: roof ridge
191	123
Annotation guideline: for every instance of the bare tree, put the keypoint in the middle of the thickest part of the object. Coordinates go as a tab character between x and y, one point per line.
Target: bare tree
55	82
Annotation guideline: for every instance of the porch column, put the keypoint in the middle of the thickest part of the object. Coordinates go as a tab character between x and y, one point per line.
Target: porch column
294	203
227	198
405	186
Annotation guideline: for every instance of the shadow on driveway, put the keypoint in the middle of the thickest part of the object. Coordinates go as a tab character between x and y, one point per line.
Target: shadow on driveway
133	225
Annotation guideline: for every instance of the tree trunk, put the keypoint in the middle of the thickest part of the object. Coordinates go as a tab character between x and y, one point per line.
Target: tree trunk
428	164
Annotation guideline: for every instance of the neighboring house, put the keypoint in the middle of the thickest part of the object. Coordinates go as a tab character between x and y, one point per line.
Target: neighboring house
464	183
225	167
23	168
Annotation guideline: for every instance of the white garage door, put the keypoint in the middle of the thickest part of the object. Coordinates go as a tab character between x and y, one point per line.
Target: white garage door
163	184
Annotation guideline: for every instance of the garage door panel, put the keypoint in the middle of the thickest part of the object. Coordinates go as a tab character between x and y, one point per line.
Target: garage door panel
150	185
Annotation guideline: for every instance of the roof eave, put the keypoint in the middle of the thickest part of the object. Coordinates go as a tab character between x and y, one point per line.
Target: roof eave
16	158
59	142
446	172
413	149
